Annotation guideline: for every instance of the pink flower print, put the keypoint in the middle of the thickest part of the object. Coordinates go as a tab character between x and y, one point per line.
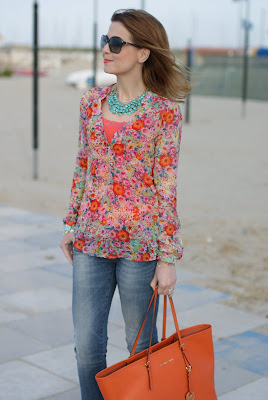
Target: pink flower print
128	156
112	195
93	246
140	185
168	136
80	235
102	209
147	122
85	249
105	252
141	169
147	218
89	213
110	222
130	146
112	234
149	208
84	154
123	175
137	175
129	204
142	249
119	159
145	131
158	170
117	244
172	151
126	182
174	161
147	146
135	134
76	192
139	226
121	199
138	201
165	149
118	226
158	124
95	216
170	127
105	168
128	193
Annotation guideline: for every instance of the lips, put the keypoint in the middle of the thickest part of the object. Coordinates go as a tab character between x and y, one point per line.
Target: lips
106	60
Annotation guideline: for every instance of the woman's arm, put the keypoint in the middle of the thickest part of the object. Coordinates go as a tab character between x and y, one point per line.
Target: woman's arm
78	186
79	176
167	147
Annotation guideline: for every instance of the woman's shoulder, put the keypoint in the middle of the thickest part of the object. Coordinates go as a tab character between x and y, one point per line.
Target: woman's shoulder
96	92
164	103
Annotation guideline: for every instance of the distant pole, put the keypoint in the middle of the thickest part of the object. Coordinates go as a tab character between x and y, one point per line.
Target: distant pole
95	54
143	4
189	64
35	88
245	61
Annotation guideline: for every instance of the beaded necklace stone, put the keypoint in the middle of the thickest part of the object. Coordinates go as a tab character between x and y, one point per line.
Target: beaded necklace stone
120	108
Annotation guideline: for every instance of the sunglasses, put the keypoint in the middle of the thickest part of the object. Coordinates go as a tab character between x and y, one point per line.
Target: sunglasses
115	43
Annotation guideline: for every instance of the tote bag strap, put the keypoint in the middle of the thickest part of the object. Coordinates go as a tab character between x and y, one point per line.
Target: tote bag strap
154	296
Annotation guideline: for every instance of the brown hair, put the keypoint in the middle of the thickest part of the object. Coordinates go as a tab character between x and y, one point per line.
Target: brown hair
162	74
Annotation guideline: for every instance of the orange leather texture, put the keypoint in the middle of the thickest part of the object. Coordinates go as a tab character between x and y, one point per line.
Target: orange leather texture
165	376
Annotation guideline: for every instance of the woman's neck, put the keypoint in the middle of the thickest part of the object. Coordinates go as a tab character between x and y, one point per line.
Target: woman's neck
129	90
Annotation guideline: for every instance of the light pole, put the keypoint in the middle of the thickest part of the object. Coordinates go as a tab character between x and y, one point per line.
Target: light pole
35	88
246	26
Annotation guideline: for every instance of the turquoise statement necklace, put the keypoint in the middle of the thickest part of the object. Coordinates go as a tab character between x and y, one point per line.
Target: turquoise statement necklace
124	108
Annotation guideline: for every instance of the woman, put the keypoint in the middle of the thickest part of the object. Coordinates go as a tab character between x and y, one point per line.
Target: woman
122	226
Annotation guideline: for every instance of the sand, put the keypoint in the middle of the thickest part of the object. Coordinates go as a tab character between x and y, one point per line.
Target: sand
222	182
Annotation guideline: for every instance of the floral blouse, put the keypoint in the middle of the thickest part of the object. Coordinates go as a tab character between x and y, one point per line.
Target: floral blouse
123	195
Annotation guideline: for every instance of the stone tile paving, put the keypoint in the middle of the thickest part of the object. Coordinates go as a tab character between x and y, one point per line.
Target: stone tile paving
37	359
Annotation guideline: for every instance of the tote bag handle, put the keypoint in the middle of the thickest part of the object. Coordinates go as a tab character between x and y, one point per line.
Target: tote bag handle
153	298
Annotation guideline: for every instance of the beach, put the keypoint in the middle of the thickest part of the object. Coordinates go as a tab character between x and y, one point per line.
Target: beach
222	179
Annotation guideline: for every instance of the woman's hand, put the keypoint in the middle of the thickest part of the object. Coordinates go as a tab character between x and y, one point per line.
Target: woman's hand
66	246
165	276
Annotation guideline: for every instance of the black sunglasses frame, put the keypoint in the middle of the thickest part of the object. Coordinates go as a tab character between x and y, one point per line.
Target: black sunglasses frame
118	46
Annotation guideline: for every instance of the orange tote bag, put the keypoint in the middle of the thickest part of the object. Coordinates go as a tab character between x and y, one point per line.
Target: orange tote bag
180	367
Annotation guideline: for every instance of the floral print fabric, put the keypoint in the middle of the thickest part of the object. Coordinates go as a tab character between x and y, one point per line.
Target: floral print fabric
123	196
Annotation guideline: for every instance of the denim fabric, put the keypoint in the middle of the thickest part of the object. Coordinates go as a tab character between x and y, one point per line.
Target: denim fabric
94	283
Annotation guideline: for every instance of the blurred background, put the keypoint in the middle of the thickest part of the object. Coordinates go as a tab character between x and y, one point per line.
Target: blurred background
222	180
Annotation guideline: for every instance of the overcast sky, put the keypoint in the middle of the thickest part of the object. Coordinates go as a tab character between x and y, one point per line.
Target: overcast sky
213	23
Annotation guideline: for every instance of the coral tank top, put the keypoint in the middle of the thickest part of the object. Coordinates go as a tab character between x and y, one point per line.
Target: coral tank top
110	127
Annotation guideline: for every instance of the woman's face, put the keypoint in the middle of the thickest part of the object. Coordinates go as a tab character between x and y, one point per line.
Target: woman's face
129	58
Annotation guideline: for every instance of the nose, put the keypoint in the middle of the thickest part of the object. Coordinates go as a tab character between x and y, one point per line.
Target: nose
106	49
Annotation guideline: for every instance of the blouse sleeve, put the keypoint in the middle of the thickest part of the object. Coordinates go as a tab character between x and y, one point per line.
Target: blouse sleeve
167	147
80	171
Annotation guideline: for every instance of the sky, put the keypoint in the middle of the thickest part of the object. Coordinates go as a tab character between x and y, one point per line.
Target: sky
208	23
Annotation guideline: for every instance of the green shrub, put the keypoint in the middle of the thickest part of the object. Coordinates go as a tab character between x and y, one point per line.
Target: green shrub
6	72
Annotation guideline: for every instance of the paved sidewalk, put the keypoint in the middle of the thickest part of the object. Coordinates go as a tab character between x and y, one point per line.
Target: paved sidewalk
37	358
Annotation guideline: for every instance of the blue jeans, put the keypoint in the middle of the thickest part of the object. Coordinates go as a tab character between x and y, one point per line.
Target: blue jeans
94	283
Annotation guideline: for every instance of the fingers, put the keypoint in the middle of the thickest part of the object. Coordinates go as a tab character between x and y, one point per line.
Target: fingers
166	291
153	283
67	247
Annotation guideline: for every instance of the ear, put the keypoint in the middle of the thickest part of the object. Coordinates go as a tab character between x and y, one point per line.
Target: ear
143	55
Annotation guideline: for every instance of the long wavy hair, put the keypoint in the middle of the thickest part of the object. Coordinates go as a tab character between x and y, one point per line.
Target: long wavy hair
161	73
